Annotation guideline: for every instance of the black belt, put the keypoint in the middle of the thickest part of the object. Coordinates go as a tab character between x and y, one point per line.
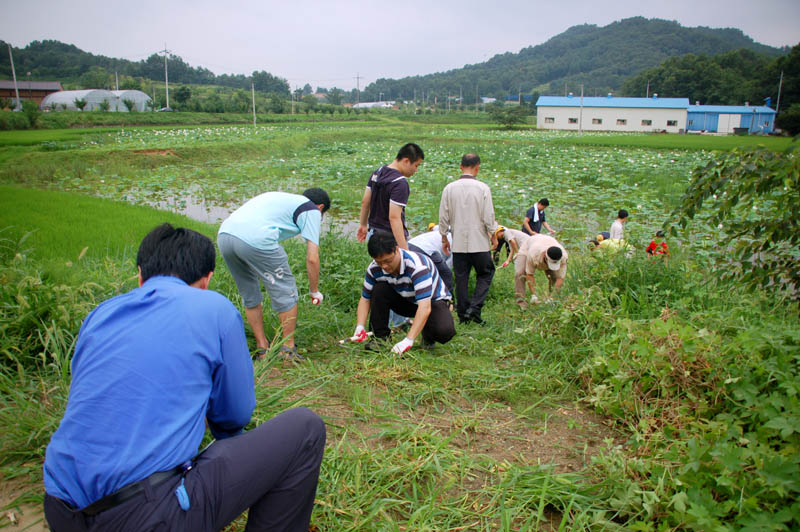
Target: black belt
131	490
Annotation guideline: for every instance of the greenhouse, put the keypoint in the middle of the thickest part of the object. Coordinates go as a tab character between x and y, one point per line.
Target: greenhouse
65	100
141	101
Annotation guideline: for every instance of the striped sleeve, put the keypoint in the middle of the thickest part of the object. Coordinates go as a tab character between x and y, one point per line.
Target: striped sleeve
422	278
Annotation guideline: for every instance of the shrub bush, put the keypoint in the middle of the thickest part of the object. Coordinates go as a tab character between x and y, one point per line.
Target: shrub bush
10	120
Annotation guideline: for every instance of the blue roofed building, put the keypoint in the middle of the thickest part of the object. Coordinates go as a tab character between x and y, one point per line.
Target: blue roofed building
731	119
611	113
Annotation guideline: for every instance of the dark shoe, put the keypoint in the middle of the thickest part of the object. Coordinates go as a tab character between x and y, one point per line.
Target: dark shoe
259	354
427	345
290	354
372	345
478	320
463	318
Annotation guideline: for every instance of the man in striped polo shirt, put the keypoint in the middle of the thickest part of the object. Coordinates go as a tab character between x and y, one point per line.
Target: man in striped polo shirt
409	284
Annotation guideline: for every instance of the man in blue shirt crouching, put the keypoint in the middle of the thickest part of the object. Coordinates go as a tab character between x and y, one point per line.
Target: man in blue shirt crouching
151	368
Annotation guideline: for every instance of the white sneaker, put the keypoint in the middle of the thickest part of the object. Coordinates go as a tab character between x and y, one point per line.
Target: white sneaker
534	299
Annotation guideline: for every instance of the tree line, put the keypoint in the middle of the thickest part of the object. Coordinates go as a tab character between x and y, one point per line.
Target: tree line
54	60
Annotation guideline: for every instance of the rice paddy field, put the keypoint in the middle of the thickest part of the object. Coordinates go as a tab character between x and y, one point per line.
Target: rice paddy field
646	396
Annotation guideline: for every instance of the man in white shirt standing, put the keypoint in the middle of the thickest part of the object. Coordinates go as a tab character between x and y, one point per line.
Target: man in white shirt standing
467	211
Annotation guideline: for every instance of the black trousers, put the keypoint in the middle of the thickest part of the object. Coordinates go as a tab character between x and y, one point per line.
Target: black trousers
482	263
439	327
441	266
272	470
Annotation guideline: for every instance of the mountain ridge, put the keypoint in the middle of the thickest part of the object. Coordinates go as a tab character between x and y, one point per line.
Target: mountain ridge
600	57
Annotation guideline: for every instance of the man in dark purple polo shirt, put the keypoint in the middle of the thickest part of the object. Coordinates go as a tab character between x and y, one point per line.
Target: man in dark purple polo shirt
384	202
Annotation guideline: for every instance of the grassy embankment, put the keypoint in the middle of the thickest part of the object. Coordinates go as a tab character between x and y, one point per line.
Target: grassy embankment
632	398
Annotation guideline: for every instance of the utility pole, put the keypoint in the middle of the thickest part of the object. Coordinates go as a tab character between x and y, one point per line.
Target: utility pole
358	88
777	104
647	94
116	78
292	96
253	91
16	89
166	77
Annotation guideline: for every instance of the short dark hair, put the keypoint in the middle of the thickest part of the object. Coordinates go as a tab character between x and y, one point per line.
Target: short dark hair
177	252
470	159
622	214
381	243
554	253
660	234
411	151
318	196
545	202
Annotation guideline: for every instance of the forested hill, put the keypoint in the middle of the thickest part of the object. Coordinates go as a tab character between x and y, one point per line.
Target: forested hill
56	61
601	58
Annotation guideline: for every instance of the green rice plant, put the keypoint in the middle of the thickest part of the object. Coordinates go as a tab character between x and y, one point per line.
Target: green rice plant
80	229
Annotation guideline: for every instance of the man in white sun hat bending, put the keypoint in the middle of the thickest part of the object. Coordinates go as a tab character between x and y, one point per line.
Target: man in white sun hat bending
539	252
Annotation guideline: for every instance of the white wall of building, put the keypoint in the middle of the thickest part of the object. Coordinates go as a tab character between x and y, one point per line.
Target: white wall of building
611	119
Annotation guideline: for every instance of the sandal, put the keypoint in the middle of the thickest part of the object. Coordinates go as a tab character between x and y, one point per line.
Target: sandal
259	354
291	354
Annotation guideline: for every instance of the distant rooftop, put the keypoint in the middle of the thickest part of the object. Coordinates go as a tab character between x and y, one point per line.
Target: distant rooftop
730	109
23	84
612	101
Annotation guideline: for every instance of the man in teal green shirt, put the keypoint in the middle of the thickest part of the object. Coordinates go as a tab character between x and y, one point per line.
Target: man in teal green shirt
249	240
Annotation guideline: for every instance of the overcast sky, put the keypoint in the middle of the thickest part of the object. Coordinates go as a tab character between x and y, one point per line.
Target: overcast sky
329	43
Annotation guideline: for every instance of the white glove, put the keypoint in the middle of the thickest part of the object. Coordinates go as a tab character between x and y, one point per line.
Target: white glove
360	335
534	299
403	345
317	297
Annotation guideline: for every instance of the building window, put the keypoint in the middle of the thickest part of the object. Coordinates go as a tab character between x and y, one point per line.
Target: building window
549	120
647	122
672	123
597	120
691	122
621	122
573	120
